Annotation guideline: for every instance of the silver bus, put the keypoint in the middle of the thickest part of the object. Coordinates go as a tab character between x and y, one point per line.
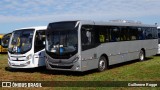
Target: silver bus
85	45
158	40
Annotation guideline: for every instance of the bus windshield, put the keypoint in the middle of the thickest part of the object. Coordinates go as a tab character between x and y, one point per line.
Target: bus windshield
62	39
21	41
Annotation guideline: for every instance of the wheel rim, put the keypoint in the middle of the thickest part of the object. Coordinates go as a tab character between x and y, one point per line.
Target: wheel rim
102	65
141	56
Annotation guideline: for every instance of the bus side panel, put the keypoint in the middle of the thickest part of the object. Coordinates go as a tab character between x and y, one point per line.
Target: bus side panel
42	58
151	47
39	58
84	66
113	51
128	50
158	49
89	59
134	48
119	52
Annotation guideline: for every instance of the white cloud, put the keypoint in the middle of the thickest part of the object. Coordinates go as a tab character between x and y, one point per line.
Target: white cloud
49	10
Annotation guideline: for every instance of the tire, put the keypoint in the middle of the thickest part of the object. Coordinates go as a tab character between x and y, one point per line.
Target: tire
141	56
102	64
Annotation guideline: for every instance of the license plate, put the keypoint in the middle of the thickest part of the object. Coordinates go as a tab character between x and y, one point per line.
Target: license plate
15	64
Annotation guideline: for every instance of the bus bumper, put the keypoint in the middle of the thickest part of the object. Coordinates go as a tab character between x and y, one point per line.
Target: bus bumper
20	64
74	66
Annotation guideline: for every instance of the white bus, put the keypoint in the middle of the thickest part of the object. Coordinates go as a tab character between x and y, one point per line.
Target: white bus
158	40
26	47
86	45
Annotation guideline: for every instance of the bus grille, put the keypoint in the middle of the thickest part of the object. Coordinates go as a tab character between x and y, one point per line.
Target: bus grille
61	67
21	65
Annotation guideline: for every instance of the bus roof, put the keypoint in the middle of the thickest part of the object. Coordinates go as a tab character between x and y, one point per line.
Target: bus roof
122	24
35	27
113	23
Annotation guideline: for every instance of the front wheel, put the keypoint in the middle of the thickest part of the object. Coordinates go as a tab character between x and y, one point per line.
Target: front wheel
102	64
141	56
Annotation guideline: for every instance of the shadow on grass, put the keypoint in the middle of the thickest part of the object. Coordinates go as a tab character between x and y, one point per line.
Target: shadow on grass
3	53
158	55
68	73
27	70
50	72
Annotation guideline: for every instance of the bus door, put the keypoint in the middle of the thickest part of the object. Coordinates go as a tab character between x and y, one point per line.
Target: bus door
39	47
89	52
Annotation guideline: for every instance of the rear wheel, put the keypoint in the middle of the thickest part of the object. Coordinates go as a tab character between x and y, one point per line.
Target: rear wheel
141	56
102	65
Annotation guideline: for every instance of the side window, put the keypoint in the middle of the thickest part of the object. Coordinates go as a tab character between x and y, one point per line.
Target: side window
102	32
115	34
125	34
158	33
141	35
134	33
148	33
87	37
39	40
154	33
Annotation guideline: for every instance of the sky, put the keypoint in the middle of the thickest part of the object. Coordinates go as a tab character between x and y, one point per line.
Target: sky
16	14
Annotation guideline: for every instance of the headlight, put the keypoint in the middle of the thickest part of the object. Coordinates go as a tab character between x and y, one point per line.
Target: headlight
29	56
76	59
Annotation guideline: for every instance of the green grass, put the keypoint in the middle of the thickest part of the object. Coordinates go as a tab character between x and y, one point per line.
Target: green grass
148	70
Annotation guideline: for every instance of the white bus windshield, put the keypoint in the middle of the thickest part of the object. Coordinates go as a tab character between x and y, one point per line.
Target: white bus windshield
62	41
21	41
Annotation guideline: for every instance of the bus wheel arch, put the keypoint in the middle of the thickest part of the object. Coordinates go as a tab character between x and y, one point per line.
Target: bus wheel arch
103	63
142	55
